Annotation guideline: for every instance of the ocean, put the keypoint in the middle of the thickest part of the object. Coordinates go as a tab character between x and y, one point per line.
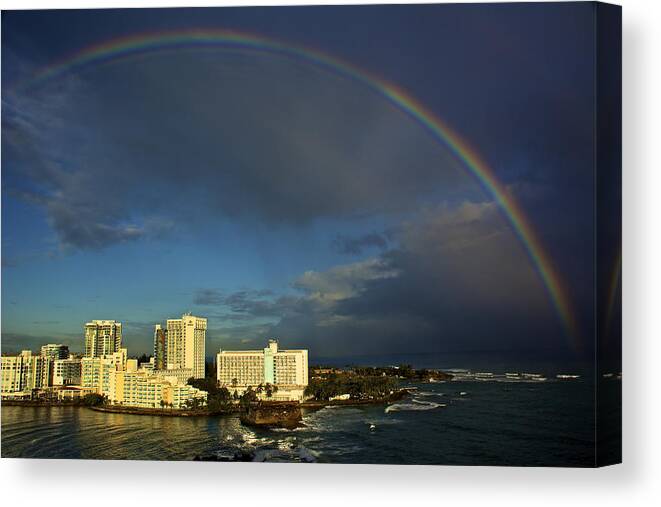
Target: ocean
461	422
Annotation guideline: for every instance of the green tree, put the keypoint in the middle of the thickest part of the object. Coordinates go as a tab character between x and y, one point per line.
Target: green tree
94	400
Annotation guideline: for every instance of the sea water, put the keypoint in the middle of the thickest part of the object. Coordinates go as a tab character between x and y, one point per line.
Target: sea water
465	422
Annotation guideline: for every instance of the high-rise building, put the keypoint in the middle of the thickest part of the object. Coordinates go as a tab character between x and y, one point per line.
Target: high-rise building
287	370
102	338
22	373
185	344
55	351
160	347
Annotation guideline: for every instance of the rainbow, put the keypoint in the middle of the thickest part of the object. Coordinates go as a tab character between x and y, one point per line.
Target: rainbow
127	47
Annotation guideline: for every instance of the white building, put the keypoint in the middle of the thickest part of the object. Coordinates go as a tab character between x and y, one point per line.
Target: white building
23	373
95	371
55	351
185	344
181	374
102	338
67	372
287	370
138	388
123	382
148	366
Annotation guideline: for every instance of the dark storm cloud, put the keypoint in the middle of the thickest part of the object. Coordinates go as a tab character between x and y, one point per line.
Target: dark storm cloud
13	343
356	245
246	304
450	282
271	140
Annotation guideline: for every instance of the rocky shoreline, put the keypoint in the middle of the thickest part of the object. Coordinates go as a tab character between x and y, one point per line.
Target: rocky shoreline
396	396
272	414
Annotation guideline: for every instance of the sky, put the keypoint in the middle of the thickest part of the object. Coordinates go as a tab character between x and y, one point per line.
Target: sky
281	199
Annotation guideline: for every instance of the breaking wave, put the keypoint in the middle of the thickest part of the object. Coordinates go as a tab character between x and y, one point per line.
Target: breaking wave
415	405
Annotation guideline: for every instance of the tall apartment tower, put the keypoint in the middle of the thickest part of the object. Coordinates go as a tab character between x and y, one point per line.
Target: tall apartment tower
185	344
102	338
160	347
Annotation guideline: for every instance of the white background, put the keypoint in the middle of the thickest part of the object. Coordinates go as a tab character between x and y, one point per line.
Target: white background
57	483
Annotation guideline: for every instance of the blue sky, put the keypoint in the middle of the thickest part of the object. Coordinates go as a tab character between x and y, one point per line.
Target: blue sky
278	199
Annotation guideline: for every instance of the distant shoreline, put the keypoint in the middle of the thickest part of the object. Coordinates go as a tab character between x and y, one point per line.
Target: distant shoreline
311	404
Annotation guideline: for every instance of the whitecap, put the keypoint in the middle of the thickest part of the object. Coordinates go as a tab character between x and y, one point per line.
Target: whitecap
416	405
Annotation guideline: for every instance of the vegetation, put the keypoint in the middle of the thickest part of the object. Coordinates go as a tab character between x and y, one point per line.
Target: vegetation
194	404
218	398
358	387
404	371
94	400
248	397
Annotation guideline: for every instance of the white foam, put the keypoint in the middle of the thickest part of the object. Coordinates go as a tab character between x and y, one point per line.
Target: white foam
416	405
428	393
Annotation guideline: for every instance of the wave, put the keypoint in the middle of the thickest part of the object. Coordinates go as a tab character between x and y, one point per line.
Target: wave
428	393
416	405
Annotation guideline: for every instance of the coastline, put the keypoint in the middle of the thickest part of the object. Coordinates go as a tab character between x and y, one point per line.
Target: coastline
160	412
396	396
235	409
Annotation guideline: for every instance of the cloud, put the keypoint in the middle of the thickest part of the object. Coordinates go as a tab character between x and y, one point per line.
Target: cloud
356	245
455	278
271	141
343	281
207	297
13	343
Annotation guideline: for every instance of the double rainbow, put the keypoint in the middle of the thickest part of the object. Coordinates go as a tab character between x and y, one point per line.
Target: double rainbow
126	47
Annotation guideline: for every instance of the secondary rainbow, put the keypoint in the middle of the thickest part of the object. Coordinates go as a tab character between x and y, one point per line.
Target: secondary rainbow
127	47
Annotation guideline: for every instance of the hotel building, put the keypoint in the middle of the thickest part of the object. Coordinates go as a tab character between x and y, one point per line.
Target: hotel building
102	338
179	350
55	351
23	373
285	369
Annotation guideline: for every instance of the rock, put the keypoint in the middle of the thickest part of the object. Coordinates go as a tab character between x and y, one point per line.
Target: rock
272	414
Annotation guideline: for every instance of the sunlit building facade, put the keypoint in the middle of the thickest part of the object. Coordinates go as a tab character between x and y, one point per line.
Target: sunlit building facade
102	338
287	370
23	373
55	351
95	371
185	344
67	372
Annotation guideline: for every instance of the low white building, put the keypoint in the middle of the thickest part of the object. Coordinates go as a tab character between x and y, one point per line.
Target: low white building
139	388
285	370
